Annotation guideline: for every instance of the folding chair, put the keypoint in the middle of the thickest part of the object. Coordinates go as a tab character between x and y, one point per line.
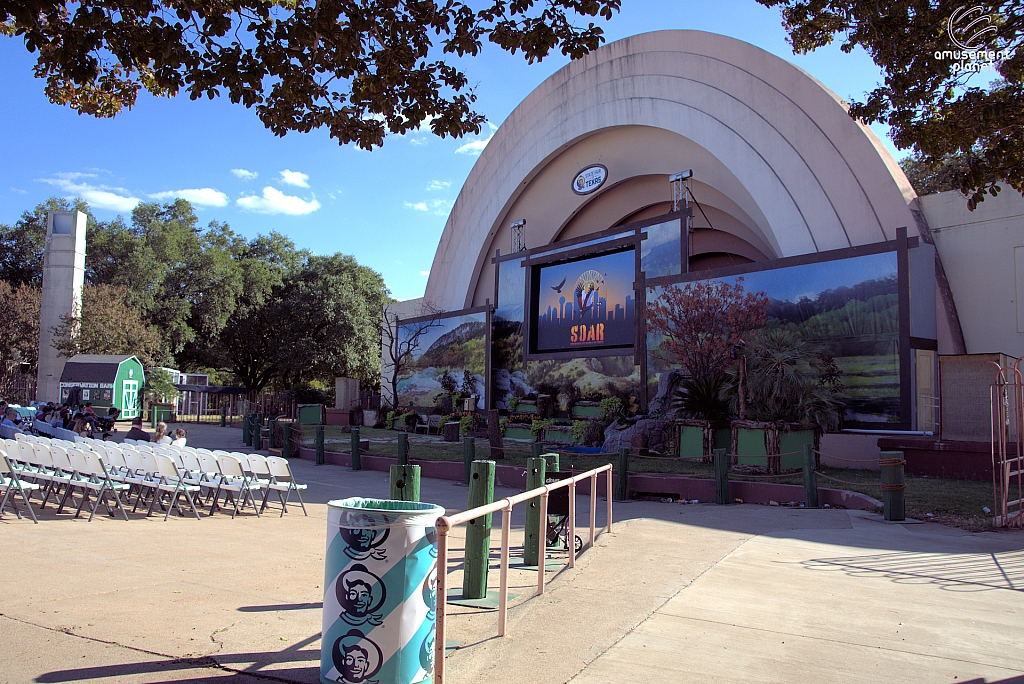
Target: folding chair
172	482
236	483
63	475
10	482
284	481
93	476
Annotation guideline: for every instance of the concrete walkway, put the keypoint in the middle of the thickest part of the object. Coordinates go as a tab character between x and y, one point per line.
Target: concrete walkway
676	593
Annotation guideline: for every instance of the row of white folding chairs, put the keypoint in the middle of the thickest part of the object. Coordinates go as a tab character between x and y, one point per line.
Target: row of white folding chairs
153	469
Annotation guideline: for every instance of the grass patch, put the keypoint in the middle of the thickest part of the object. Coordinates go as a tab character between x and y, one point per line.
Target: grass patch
951	502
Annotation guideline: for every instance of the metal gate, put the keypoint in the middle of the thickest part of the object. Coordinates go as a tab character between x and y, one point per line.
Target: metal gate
1007	397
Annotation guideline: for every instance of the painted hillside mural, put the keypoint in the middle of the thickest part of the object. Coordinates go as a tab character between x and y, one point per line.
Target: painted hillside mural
846	310
453	345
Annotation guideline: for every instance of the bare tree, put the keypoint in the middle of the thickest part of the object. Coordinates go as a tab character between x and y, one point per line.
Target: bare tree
399	341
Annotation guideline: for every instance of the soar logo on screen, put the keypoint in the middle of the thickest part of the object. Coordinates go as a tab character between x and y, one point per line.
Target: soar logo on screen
587	296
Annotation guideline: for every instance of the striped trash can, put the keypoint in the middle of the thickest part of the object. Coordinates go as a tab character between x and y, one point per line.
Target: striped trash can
380	592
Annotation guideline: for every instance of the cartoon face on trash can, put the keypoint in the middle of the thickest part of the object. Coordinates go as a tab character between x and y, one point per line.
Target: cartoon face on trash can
380	592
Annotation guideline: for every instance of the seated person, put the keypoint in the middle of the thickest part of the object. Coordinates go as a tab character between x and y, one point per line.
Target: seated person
82	427
160	436
137	433
10	416
179	438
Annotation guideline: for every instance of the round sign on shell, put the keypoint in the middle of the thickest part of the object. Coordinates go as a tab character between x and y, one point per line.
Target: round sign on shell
589	179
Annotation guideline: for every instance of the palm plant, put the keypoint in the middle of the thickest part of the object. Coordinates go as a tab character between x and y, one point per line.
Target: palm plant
702	397
782	385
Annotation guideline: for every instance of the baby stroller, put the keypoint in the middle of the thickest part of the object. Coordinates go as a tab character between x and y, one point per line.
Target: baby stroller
106	423
558	514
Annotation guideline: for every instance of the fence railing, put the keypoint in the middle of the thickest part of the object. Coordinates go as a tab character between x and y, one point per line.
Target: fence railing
447	522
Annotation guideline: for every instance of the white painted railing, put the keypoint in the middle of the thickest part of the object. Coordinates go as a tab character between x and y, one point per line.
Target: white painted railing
447	522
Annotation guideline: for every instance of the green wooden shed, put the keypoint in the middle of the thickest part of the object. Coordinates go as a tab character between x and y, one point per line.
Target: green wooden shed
105	380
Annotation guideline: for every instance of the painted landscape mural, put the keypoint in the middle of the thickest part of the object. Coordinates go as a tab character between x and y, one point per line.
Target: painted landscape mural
847	309
454	345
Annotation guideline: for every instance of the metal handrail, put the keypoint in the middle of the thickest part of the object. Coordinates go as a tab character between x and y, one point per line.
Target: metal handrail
446	522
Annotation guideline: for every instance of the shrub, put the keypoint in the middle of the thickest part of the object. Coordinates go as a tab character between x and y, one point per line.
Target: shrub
611	408
513	403
389	424
593	433
448	385
502	423
465	425
579	427
537	427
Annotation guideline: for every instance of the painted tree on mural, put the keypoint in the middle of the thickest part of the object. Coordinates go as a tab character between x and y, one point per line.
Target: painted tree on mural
702	322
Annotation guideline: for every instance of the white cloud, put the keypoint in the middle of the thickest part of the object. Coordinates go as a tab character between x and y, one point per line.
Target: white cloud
244	174
205	197
475	147
424	273
295	178
19	191
418	142
439	185
98	196
273	201
438	207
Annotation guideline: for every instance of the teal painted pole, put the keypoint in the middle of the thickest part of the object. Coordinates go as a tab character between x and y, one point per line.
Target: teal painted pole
320	445
286	448
553	462
810	478
270	434
721	476
536	471
478	531
535	450
405	482
403	448
245	430
223	416
622	491
357	457
468	456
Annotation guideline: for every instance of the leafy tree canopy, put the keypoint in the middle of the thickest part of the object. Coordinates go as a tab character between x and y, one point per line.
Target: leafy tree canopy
108	325
360	69
935	106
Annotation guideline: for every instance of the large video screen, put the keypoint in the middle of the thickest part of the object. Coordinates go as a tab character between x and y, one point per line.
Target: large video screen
584	304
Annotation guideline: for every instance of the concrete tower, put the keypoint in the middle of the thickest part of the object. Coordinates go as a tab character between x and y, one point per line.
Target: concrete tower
63	279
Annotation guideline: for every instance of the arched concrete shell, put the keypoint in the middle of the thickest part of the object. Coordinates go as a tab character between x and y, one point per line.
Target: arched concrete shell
773	151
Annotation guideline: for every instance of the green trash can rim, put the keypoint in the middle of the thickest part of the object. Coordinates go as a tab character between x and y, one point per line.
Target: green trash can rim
384	505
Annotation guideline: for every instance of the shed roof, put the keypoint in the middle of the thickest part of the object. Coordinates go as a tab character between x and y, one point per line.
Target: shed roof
93	367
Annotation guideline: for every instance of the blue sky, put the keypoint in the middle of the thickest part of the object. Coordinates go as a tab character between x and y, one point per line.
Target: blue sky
387	207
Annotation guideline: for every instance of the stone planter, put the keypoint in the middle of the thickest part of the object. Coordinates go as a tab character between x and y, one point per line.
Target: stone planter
558	433
518	432
450	431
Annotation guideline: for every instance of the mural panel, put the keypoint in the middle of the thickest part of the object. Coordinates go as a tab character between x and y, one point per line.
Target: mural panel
454	345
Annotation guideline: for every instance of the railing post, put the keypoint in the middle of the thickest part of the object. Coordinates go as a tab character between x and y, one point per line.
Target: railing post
622	492
286	448
468	456
405	482
506	525
319	444
608	497
403	448
894	488
270	434
543	545
223	416
533	534
593	510
721	477
441	626
245	430
810	478
357	457
535	449
570	541
478	532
